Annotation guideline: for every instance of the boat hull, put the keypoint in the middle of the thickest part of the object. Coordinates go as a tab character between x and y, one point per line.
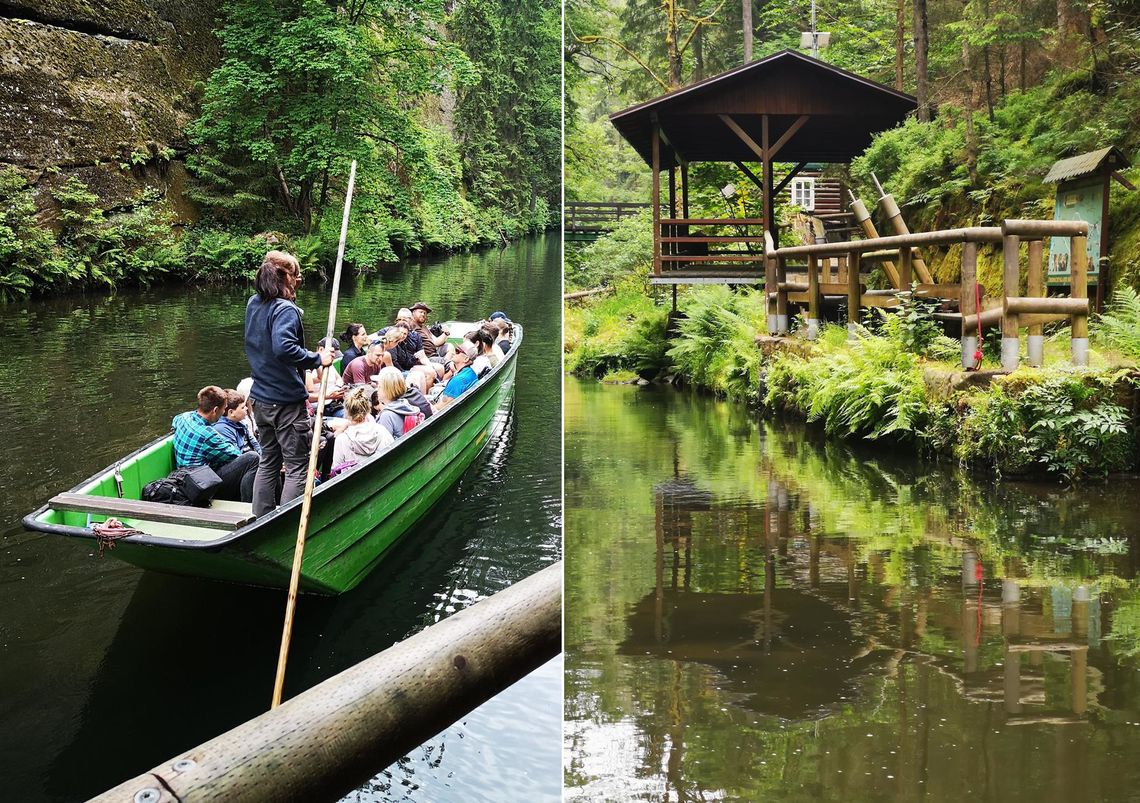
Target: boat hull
355	519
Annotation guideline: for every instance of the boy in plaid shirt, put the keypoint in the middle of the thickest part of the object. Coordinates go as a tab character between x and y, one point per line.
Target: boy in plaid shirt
197	443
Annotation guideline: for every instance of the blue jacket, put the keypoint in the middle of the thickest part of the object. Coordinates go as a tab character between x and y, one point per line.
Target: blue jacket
237	434
275	348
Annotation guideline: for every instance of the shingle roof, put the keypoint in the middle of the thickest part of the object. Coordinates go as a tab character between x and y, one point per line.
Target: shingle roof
1086	164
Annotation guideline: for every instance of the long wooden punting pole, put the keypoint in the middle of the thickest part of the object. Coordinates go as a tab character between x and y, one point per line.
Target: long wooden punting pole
307	504
328	740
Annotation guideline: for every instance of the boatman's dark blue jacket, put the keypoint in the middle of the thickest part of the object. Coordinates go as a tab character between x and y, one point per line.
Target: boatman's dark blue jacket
275	348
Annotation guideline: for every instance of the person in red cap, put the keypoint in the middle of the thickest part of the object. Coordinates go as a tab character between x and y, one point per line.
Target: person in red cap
432	342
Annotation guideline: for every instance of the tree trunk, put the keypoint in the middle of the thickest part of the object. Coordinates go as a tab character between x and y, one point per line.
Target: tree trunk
921	43
1062	30
746	8
971	134
900	42
672	46
699	54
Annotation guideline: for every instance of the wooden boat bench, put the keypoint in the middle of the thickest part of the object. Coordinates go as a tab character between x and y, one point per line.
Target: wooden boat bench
151	511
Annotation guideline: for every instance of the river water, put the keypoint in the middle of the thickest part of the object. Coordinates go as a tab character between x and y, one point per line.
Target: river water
108	670
753	614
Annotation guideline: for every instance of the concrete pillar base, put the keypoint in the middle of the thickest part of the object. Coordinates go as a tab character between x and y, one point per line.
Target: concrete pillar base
1035	346
1080	351
1010	353
812	328
969	346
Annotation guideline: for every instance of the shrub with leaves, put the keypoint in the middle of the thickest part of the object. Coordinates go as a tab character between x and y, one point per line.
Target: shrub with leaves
714	348
1068	425
1118	327
871	389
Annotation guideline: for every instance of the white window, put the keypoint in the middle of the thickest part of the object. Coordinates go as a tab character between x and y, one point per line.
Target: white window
803	193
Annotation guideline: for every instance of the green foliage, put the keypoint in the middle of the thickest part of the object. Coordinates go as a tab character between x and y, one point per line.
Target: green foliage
1118	327
872	389
509	120
623	331
714	348
306	86
1066	424
912	326
28	257
625	252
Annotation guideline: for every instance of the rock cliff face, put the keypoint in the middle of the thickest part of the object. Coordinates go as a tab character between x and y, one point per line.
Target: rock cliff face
103	90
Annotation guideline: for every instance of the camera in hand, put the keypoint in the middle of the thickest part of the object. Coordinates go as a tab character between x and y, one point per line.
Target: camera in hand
436	329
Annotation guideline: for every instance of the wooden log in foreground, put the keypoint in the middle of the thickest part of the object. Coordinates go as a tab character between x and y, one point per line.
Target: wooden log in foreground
328	740
586	293
1056	304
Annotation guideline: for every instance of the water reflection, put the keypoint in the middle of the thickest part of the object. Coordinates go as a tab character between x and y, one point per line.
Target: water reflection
751	613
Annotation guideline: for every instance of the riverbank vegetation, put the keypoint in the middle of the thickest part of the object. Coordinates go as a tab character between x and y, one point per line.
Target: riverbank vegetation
453	116
897	383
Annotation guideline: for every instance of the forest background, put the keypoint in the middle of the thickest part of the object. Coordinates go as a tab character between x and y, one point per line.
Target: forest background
1005	87
150	140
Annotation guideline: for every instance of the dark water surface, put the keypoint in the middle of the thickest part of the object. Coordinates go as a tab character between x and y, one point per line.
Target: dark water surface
753	614
107	670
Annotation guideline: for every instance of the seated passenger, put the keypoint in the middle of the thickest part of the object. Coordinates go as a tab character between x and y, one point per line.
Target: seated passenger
356	336
462	377
484	359
361	370
406	352
505	332
363	437
434	337
494	354
415	394
231	425
197	443
398	414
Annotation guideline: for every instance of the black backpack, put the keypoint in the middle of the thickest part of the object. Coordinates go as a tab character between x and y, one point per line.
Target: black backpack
167	490
192	485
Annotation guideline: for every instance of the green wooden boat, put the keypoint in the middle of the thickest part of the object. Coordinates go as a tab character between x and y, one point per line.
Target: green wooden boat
356	517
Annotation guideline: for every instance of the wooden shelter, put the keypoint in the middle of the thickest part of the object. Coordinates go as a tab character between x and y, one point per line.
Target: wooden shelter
786	107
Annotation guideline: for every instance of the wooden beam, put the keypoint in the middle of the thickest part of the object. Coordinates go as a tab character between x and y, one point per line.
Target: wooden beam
684	189
656	152
788	178
769	222
677	156
787	135
1123	181
185	515
747	140
741	167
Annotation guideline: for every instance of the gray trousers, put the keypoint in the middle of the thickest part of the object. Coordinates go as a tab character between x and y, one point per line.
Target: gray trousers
285	433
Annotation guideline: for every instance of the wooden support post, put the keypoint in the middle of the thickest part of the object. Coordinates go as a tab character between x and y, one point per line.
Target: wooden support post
671	229
906	275
1079	288
841	269
1011	286
814	298
770	291
1035	340
781	296
968	303
863	217
853	292
894	216
656	156
769	222
685	191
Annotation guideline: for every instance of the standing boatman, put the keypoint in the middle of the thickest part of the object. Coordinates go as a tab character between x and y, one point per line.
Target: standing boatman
275	348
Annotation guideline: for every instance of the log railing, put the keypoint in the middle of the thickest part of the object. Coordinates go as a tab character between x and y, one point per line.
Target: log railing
710	243
595	217
1017	311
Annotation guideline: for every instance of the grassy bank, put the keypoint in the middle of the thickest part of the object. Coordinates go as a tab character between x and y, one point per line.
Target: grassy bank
896	384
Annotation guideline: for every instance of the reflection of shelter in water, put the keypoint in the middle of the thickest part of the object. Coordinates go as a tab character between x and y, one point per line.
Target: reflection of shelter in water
674	502
787	653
